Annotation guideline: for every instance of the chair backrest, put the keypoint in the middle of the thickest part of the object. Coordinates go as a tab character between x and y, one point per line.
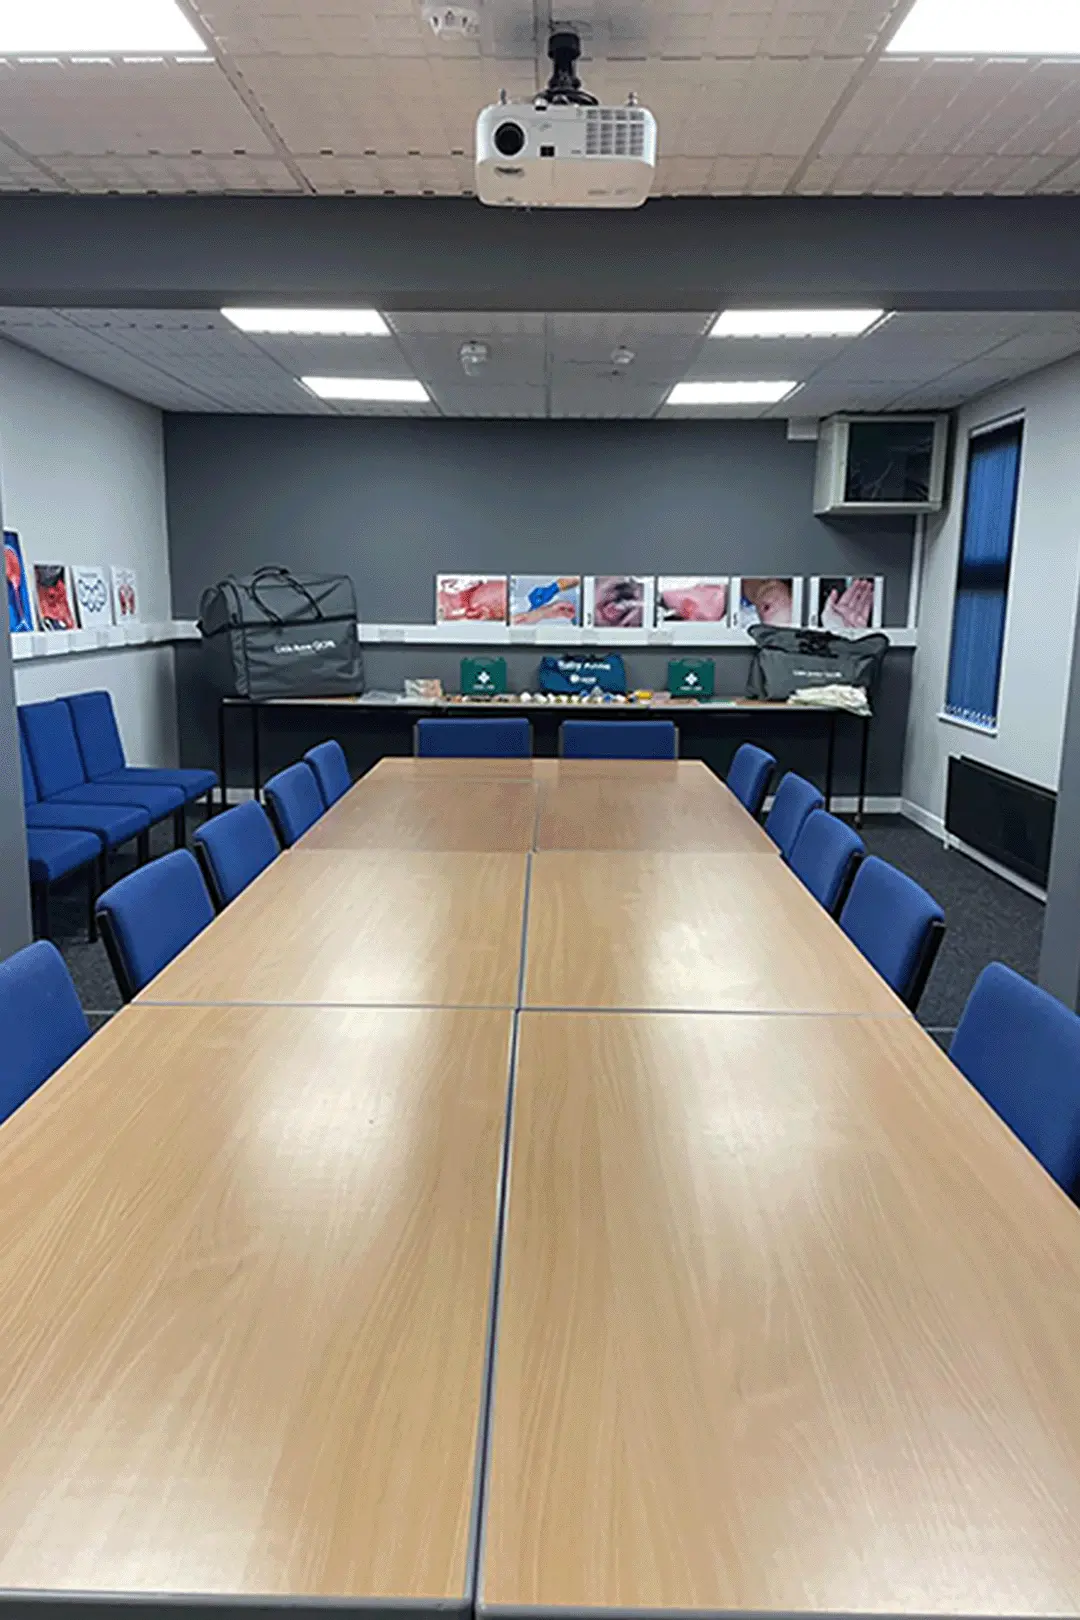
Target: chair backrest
331	769
234	848
52	746
97	733
825	856
149	916
793	802
506	738
619	739
749	774
294	801
1021	1049
41	1021
896	924
29	786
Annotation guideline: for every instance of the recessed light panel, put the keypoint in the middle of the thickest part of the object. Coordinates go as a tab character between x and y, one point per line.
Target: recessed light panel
990	28
310	322
401	390
104	27
794	323
730	393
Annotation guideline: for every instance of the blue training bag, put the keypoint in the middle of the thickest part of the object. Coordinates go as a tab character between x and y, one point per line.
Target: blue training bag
572	672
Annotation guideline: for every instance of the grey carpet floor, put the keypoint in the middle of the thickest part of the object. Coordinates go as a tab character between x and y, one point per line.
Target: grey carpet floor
987	919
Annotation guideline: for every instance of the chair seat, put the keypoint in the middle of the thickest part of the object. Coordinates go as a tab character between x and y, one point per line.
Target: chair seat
112	823
158	802
188	780
53	854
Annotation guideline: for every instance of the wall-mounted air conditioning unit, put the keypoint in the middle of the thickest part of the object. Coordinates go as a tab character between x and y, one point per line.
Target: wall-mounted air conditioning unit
884	464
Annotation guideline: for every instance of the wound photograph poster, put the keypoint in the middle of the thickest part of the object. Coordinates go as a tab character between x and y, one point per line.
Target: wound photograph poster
766	599
20	613
55	603
545	599
471	598
840	602
617	601
692	599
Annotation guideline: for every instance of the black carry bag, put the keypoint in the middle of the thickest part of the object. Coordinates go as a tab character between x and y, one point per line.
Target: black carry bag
277	634
787	660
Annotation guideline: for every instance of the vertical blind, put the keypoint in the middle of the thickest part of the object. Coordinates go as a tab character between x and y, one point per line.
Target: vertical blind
982	582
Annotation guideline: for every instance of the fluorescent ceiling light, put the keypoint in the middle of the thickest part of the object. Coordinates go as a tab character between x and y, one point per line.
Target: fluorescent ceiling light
310	322
990	28
781	323
730	393
82	27
406	390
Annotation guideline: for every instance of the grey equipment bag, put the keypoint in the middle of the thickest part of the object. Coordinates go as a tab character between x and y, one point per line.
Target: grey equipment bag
277	634
785	660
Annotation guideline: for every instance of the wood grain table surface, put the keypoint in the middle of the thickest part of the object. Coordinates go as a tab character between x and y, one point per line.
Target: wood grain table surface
608	811
718	933
788	1325
354	927
245	1285
442	813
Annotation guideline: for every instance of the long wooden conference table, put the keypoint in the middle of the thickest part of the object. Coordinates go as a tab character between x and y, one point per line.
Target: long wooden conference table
524	1199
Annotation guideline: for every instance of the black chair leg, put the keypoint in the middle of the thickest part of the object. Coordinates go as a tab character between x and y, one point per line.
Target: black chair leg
210	811
91	902
40	910
143	847
926	959
179	829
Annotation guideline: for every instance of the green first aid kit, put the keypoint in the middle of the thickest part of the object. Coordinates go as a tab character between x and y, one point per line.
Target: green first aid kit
691	677
483	677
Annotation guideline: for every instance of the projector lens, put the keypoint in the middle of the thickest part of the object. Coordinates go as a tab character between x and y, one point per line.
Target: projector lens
509	139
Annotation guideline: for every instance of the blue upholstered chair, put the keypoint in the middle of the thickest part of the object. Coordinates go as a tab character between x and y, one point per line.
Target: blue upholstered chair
826	854
148	917
53	855
792	803
234	848
896	924
749	775
104	760
1020	1048
618	739
41	1022
61	776
331	769
506	738
294	802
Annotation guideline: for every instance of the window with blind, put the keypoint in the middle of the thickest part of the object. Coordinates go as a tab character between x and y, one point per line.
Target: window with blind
982	581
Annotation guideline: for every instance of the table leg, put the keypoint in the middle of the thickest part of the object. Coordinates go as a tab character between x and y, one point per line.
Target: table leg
223	769
255	771
830	760
864	758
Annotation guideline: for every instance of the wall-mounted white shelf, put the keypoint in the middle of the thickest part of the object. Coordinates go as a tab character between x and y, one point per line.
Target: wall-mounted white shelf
563	635
32	644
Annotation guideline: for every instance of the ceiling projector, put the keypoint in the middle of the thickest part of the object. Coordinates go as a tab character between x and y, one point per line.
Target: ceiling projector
563	150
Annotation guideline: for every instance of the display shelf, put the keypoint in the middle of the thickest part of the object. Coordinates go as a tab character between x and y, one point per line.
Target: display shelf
563	635
34	644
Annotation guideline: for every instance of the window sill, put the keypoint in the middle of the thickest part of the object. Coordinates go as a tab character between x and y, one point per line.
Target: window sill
968	725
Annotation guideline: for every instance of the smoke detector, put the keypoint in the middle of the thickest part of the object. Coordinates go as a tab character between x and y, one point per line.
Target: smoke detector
621	357
474	357
463	21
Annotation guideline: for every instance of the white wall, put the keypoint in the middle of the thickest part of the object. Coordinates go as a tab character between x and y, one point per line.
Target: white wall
82	480
1042	599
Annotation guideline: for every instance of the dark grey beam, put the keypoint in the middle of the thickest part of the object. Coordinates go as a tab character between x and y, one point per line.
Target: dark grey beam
1059	965
415	253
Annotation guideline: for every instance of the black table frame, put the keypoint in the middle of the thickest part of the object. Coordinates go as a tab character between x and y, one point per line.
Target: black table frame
830	718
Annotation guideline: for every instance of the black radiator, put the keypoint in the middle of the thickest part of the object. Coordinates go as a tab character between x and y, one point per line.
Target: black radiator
1002	816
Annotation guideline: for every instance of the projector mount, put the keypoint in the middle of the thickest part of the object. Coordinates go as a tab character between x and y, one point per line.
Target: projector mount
564	86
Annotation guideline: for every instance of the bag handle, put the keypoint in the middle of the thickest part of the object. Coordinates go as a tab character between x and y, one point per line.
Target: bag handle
282	576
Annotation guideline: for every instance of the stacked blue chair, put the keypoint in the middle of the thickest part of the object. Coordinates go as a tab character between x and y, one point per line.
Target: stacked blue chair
331	769
109	825
294	801
795	798
826	855
234	848
505	738
619	739
148	917
61	776
749	775
1020	1048
41	1022
104	760
897	926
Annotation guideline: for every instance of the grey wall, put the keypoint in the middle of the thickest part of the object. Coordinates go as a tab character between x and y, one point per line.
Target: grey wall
393	502
452	253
